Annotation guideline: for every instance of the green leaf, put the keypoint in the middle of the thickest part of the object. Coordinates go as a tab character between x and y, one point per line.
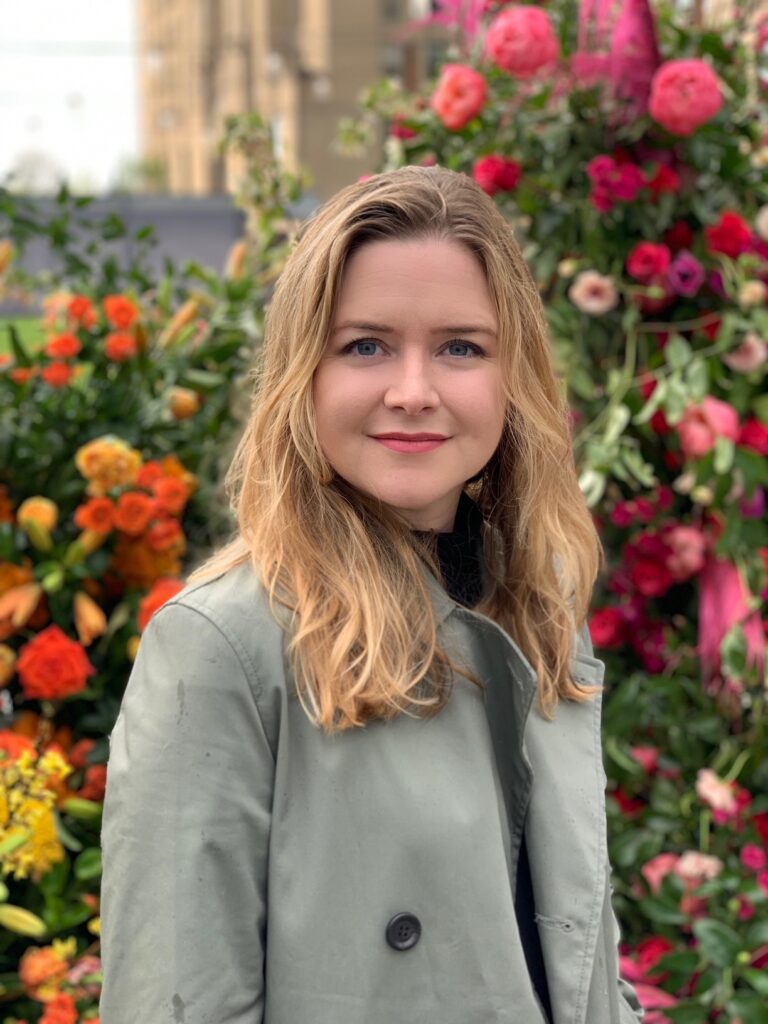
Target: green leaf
653	402
724	452
757	979
20	354
717	941
88	864
66	837
662	913
677	352
733	652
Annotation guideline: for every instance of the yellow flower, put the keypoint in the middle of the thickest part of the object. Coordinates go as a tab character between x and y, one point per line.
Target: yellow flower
29	842
107	462
6	254
184	315
90	620
184	402
38	510
132	647
7	663
94	926
21	921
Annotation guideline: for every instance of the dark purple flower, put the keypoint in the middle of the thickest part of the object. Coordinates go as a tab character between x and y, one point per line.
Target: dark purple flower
715	282
754	507
685	274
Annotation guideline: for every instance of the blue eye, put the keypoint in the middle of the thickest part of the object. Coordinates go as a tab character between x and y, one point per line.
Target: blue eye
364	347
469	349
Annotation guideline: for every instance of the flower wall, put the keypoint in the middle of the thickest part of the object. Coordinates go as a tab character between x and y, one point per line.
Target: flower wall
114	434
629	152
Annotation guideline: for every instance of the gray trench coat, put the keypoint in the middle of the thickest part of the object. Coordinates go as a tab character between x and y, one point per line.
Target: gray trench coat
257	871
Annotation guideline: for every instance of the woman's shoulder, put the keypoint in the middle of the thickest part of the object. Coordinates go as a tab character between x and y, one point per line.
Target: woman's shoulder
236	604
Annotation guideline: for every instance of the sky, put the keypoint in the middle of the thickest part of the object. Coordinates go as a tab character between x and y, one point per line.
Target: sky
68	88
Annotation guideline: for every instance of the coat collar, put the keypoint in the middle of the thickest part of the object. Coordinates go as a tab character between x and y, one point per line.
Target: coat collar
551	775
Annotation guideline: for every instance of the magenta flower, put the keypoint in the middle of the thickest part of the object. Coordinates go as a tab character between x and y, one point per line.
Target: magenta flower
686	275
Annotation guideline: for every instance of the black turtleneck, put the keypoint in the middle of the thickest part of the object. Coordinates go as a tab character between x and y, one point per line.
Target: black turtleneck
459	554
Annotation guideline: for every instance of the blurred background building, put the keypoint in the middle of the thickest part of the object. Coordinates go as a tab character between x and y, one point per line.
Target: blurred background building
301	64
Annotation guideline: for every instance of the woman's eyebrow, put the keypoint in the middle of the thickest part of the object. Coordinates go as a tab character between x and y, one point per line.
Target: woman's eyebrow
384	329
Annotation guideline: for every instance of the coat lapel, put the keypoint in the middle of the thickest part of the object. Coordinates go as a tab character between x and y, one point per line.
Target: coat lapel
565	834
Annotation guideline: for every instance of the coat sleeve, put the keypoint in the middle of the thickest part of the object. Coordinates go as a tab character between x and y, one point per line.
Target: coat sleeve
629	1005
185	832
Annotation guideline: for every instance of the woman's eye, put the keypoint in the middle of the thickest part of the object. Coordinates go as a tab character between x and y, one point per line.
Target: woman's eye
362	348
466	349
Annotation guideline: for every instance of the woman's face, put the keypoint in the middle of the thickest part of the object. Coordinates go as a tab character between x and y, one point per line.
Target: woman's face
408	397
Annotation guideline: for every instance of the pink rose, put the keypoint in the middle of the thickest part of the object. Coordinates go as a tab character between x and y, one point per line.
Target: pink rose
496	174
715	793
521	40
762	881
702	424
753	857
648	757
593	293
694	867
648	261
459	96
689	546
657	868
684	95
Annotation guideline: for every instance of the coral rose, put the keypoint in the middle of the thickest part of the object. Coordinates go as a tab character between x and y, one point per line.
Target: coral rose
702	424
133	513
459	96
120	311
656	870
52	666
684	95
62	1009
164	535
496	174
521	41
120	346
80	311
171	495
63	346
163	590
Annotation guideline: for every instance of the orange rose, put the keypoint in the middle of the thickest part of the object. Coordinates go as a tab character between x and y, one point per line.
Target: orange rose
120	311
148	474
90	620
60	1010
14	745
183	402
171	494
41	970
80	311
133	513
52	666
120	346
57	375
163	590
97	514
63	346
135	564
21	374
164	535
38	510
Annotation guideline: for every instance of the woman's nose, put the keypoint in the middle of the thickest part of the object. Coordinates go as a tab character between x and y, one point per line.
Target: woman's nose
411	387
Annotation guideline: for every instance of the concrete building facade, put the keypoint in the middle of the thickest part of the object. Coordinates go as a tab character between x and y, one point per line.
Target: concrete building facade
301	64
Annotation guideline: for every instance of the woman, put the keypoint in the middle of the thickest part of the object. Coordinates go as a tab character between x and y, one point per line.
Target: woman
356	776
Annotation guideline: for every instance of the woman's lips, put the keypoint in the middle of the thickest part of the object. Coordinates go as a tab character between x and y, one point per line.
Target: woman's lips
398	444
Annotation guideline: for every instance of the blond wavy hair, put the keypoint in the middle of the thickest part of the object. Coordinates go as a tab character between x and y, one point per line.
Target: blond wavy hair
362	634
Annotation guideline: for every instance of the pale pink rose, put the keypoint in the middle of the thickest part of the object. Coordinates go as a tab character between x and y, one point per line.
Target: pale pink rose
684	95
593	293
657	868
459	95
715	793
521	41
694	867
749	355
689	546
702	424
648	757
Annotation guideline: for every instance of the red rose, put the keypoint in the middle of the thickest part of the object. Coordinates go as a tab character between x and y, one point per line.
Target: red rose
679	236
651	579
606	627
57	375
120	311
754	435
649	952
63	346
496	174
664	180
163	590
95	783
52	666
730	236
648	261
